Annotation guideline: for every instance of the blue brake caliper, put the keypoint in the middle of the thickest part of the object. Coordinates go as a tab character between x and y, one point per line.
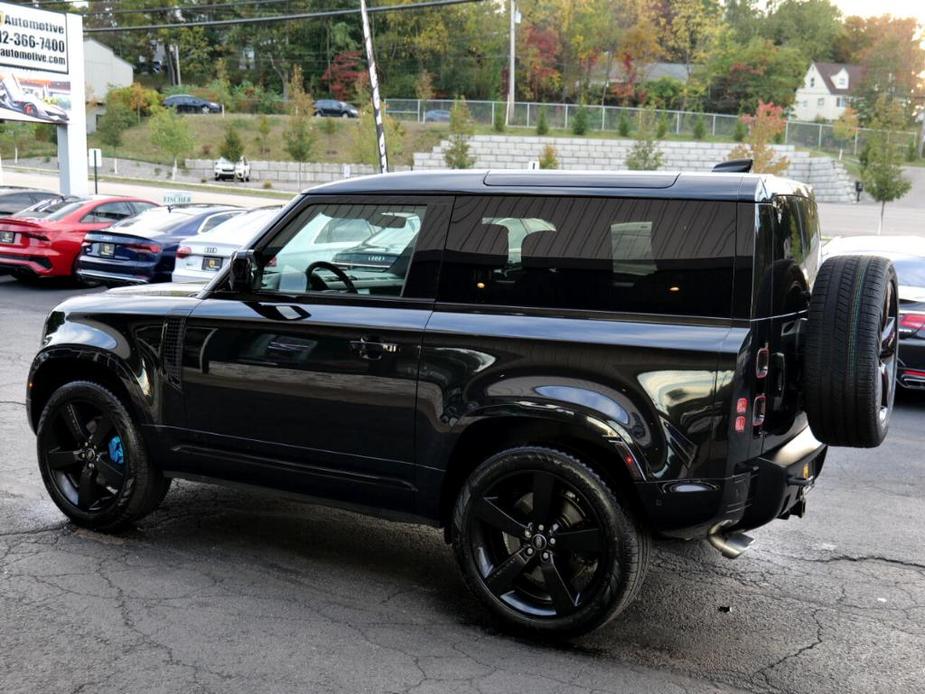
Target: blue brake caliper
115	450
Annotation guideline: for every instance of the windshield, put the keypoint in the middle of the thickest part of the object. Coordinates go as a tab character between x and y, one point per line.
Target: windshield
45	208
910	271
154	219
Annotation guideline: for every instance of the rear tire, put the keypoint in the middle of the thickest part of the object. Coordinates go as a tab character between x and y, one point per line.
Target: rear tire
93	460
543	542
852	348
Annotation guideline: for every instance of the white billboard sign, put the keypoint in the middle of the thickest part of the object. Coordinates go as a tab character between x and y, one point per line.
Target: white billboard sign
33	39
35	70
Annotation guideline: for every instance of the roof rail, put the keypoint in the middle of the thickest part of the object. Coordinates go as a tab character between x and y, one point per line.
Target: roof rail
734	166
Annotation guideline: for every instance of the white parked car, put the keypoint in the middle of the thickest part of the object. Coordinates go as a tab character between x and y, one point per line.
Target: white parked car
200	257
226	169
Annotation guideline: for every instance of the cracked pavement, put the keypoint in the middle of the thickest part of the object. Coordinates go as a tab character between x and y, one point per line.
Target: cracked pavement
222	590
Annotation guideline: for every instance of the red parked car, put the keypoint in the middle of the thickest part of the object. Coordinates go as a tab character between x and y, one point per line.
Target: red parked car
44	240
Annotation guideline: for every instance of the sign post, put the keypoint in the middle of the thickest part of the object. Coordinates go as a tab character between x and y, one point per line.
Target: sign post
95	158
42	81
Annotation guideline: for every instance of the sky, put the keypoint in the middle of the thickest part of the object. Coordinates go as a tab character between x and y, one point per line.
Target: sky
868	8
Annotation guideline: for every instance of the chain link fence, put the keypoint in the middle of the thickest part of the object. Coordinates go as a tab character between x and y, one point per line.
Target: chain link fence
681	124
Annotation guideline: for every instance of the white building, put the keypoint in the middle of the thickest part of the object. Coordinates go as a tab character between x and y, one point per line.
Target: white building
102	69
826	91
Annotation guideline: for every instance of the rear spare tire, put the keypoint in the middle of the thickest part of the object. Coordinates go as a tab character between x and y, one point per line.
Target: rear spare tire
852	351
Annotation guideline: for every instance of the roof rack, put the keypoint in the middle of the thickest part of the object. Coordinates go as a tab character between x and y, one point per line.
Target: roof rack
734	166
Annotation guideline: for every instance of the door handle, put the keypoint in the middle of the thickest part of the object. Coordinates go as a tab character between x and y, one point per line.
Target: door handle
372	349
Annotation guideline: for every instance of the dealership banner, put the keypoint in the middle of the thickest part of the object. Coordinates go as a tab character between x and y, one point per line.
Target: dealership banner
34	69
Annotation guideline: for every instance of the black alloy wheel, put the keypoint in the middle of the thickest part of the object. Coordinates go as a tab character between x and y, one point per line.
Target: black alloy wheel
543	541
84	452
93	461
889	352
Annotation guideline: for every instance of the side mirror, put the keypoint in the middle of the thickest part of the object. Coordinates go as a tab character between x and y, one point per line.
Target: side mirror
243	271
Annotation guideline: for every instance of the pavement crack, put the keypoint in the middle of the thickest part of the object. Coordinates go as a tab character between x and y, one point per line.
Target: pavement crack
764	673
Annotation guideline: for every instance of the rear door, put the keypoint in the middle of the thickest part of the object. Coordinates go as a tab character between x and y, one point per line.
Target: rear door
309	382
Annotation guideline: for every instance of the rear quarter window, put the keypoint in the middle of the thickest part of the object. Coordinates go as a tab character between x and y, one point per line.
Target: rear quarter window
599	254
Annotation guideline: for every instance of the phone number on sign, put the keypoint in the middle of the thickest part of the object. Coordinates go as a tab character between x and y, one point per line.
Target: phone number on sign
27	41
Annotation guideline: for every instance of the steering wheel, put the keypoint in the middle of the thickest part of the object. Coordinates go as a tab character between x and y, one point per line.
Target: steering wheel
316	283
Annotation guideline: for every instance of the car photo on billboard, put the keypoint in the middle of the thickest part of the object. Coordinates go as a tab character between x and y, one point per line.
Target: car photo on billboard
31	101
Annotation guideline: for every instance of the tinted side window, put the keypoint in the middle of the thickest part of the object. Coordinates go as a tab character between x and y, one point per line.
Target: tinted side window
647	256
109	212
792	247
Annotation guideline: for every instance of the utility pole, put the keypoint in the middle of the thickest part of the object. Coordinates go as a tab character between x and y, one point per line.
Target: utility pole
175	50
509	115
374	85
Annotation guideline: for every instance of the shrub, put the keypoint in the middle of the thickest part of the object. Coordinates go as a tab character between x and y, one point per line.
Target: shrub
542	127
232	148
661	127
741	131
580	121
549	158
206	150
461	128
267	185
763	127
624	126
700	127
645	154
498	121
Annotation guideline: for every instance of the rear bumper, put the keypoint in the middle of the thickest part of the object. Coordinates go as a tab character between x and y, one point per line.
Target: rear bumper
911	371
125	272
189	275
771	486
40	262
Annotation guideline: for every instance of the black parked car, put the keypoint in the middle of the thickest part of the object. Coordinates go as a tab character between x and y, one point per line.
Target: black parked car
15	198
336	109
186	103
143	248
660	355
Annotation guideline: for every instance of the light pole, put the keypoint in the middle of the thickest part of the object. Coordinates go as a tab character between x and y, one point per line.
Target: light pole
374	85
509	114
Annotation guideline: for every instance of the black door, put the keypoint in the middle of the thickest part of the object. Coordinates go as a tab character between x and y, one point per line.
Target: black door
308	383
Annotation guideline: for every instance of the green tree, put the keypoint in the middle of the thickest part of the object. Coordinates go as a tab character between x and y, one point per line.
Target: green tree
299	136
810	26
845	128
171	134
882	172
742	75
457	155
264	128
542	124
15	135
115	121
232	147
366	143
645	154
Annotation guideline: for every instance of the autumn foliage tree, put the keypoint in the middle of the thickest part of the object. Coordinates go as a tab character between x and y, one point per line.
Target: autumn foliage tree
342	74
767	123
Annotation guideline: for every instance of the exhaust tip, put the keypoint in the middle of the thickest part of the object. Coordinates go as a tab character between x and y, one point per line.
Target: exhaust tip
731	545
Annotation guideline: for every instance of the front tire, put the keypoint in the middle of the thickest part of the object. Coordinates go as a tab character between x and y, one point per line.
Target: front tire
544	543
93	460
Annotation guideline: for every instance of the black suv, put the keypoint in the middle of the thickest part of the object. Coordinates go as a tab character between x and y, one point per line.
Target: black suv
555	369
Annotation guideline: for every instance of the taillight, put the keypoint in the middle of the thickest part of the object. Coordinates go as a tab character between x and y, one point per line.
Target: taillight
184	252
143	247
911	323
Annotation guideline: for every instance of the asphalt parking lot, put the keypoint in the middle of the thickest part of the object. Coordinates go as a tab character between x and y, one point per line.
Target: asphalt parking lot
230	591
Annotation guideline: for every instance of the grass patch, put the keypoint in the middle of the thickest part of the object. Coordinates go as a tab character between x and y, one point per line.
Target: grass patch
334	146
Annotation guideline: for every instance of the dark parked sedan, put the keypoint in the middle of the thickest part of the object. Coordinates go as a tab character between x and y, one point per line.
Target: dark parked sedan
438	115
144	249
335	109
186	103
15	198
908	256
